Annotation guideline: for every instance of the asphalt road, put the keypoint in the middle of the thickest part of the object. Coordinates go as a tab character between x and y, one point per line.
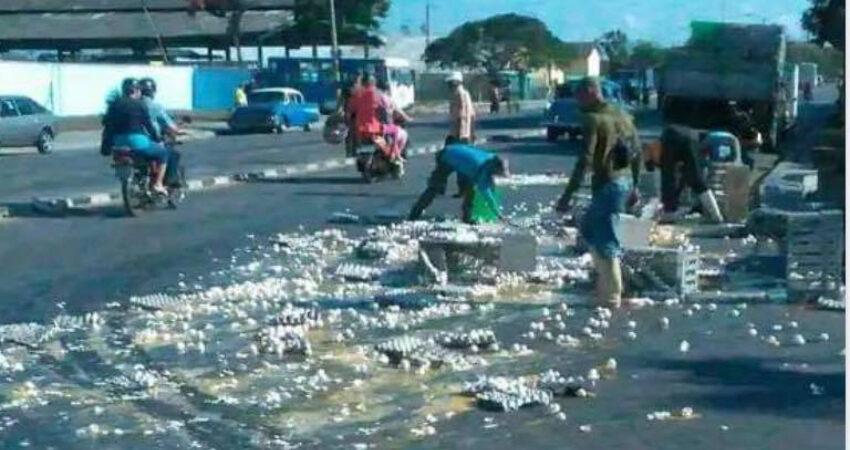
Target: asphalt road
71	172
97	256
747	394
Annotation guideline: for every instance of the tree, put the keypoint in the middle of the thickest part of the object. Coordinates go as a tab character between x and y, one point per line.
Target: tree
829	60
615	44
357	20
230	9
646	55
825	21
507	41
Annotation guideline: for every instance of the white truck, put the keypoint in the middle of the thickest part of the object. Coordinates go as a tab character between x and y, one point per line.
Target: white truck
809	73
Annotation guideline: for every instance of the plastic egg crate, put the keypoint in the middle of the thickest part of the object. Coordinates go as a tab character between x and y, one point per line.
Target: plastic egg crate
814	248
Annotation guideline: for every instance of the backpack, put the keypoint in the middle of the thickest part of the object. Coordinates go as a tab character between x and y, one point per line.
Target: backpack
622	154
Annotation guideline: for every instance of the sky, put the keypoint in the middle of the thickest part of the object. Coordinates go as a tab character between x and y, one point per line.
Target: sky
662	21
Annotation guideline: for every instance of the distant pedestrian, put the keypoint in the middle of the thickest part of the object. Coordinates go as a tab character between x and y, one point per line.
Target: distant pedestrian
240	97
461	110
495	97
611	149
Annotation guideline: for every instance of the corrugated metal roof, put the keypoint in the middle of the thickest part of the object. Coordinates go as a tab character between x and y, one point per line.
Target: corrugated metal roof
82	6
117	29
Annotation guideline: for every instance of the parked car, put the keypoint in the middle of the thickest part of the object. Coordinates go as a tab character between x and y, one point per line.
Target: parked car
562	114
23	123
275	110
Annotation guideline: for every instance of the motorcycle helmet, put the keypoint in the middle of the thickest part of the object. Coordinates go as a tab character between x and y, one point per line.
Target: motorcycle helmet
129	86
148	86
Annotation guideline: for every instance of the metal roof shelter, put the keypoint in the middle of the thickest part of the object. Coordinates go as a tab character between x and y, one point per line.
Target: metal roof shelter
71	25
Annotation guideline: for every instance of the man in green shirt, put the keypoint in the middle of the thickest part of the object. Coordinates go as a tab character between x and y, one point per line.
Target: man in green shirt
612	152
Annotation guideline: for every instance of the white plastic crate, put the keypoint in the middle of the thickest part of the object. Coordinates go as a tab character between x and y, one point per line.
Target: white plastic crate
673	270
814	250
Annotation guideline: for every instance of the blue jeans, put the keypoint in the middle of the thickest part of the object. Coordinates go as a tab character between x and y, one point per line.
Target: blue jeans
600	221
143	145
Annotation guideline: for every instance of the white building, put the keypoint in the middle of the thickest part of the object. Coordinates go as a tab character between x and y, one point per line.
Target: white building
586	59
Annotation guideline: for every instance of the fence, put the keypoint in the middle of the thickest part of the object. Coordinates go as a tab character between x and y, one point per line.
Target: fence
82	89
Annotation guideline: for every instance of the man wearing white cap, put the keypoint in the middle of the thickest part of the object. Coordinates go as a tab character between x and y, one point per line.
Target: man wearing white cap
461	109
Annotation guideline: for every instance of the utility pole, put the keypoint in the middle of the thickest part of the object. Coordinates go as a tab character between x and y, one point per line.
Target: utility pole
427	23
156	31
334	42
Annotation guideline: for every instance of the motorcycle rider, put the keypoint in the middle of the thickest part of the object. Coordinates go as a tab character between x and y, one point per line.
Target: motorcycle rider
393	119
128	123
364	106
164	125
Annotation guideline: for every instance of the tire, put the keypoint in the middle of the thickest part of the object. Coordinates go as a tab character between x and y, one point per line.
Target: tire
366	170
308	127
130	207
44	144
552	134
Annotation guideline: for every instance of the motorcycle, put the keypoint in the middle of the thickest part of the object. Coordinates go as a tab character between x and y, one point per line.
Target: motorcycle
373	163
136	174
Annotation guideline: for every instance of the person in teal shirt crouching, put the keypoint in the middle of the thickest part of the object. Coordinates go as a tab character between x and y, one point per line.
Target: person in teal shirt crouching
475	170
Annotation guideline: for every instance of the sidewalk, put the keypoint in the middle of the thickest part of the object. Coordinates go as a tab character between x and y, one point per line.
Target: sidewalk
442	107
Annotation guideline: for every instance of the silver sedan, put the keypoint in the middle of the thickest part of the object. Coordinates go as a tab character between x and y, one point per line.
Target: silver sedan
23	123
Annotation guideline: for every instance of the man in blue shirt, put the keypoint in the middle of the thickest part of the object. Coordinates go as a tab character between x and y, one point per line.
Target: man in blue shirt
163	125
475	171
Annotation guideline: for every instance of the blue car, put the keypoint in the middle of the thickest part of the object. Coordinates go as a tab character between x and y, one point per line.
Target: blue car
562	115
274	110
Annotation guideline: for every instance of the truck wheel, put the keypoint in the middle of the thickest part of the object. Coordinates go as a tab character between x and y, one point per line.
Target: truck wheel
552	134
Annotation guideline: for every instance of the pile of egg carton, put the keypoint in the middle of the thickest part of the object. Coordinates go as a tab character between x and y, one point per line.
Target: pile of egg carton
160	301
408	350
26	334
280	340
482	338
358	272
555	383
403	298
505	394
294	316
830	303
400	348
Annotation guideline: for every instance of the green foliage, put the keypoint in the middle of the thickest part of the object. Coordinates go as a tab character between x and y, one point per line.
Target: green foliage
825	20
829	60
507	41
616	45
645	54
356	20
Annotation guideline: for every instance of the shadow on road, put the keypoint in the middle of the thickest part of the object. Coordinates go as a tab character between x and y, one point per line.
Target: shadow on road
27	211
354	194
749	384
312	180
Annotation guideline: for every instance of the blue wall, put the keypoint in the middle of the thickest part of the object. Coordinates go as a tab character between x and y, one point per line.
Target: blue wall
212	88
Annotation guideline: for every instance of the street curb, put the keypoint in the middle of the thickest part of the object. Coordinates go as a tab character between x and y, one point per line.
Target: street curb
61	205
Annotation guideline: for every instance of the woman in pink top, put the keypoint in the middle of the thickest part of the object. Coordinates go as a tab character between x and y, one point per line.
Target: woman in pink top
389	114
